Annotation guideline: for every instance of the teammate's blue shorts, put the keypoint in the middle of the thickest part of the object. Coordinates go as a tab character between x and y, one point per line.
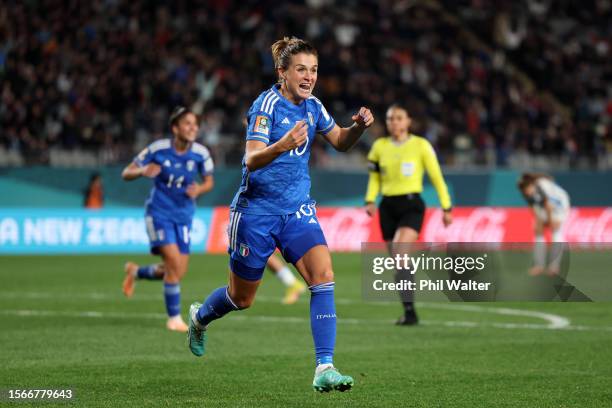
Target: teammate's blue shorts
253	238
163	232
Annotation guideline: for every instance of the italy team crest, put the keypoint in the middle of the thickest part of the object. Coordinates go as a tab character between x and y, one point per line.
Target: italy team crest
244	250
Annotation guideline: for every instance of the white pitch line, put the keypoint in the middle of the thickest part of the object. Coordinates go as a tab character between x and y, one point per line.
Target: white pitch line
553	321
291	319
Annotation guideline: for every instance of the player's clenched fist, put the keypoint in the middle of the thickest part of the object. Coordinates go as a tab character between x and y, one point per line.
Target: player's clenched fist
363	118
295	137
151	170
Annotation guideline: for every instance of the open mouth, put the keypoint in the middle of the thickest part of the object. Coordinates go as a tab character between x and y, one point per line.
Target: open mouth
305	87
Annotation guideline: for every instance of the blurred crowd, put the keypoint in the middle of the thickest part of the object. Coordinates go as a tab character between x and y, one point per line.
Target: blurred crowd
564	46
100	77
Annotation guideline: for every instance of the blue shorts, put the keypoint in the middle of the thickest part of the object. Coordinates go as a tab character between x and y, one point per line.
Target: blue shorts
253	238
163	232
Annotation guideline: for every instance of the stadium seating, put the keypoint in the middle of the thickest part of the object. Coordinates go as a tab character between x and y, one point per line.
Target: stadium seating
107	82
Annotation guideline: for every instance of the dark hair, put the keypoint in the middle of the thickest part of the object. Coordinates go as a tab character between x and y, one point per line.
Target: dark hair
529	178
399	106
283	50
177	113
94	176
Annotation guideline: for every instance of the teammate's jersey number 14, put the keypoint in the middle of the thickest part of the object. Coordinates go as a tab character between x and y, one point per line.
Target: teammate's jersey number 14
178	182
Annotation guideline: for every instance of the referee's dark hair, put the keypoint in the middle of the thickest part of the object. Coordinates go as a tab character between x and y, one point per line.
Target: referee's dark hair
177	113
399	106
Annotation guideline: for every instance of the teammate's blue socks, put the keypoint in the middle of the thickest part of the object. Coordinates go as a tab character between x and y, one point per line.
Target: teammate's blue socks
323	321
216	305
172	295
148	272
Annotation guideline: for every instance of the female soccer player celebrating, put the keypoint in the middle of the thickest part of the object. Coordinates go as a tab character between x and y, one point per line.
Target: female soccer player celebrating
551	205
273	208
174	164
396	165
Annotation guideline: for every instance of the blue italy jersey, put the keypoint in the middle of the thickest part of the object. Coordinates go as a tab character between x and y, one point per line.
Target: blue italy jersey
168	199
282	186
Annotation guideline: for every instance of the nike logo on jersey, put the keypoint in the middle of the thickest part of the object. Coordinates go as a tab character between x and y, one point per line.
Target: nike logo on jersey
286	121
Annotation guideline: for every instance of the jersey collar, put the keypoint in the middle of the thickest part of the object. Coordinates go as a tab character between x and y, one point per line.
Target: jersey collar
394	143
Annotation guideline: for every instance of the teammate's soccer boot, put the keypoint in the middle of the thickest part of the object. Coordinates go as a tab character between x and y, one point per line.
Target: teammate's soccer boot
409	318
330	379
196	335
293	292
176	323
130	269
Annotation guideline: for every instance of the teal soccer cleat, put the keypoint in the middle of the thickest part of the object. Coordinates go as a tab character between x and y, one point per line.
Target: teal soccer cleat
196	335
330	379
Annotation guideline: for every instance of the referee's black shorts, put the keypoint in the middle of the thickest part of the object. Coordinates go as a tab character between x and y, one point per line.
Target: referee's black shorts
407	210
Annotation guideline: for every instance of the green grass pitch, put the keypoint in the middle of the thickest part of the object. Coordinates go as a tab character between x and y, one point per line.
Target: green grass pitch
65	323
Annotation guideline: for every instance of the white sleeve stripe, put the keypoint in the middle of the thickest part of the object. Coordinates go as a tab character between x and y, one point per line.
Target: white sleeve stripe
160	144
259	137
272	105
208	165
265	100
200	150
316	99
327	129
266	107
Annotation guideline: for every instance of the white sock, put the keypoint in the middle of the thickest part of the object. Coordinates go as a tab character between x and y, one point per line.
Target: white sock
539	251
286	276
194	319
176	318
322	367
556	253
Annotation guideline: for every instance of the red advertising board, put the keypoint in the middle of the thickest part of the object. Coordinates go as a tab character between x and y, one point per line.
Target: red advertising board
346	228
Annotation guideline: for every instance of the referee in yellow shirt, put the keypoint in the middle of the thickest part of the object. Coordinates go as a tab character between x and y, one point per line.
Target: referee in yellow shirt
397	164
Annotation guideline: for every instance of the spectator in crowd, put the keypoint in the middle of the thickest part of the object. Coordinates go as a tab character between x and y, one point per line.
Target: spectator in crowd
100	76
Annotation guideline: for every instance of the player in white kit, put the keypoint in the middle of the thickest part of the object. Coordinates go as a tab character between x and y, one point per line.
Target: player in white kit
551	206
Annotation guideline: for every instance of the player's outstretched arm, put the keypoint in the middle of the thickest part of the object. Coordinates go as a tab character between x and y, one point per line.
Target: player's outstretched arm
259	155
342	139
132	171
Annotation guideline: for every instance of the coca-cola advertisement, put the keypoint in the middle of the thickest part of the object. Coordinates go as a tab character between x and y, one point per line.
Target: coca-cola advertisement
346	228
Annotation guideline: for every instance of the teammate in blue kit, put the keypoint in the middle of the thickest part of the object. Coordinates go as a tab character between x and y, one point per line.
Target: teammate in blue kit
175	165
273	208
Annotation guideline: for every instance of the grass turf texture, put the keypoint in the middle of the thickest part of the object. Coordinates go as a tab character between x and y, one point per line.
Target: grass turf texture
121	354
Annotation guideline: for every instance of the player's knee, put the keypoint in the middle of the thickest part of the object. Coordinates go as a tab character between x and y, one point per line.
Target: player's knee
172	273
324	276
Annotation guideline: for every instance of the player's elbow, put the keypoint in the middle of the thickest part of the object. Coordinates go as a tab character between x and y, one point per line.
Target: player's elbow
250	163
342	147
125	175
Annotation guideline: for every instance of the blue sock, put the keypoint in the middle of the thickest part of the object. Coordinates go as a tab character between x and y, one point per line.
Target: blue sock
323	321
148	272
216	305
172	295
